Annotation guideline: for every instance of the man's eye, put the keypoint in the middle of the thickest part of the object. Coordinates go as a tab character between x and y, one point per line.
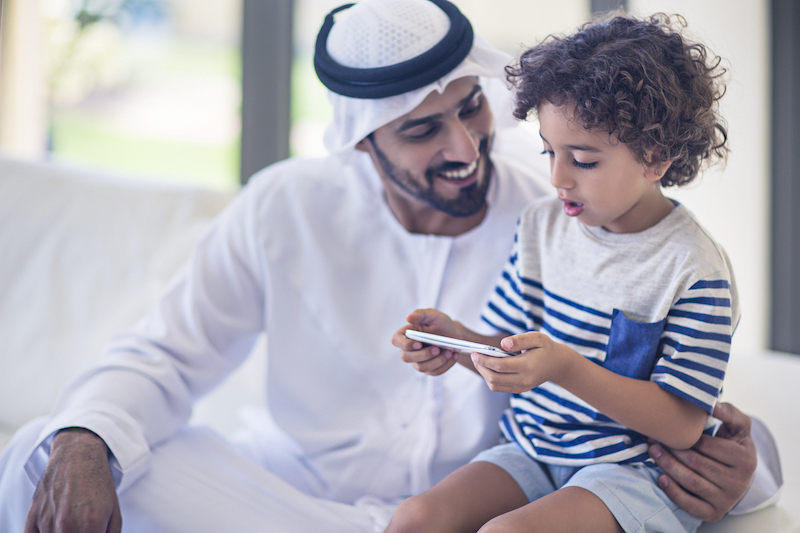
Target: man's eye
471	110
422	133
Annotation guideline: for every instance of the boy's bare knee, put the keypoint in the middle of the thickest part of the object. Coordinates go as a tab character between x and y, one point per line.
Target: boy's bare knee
416	514
494	525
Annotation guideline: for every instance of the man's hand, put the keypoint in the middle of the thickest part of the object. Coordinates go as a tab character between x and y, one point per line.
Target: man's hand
76	492
710	478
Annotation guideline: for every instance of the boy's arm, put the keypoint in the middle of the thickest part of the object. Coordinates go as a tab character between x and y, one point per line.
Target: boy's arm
637	404
640	405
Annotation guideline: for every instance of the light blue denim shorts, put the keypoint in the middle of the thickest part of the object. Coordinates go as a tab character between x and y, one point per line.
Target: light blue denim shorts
630	492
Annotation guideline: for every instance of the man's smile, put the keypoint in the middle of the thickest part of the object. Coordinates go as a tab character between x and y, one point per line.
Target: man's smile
460	173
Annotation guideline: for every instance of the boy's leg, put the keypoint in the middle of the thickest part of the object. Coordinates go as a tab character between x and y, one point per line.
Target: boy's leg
463	501
567	510
632	495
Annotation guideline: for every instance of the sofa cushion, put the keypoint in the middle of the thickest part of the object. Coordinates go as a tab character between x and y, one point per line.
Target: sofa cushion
82	255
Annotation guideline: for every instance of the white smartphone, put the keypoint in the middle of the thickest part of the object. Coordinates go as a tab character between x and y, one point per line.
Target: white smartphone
457	345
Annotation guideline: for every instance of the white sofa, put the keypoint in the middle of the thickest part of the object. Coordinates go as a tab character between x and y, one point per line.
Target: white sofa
83	254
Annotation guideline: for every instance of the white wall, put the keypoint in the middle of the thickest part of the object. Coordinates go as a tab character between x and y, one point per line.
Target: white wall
733	202
516	25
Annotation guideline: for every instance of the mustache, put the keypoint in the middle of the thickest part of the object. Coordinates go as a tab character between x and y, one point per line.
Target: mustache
483	149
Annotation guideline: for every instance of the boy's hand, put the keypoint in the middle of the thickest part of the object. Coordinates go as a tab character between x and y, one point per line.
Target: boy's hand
434	321
542	359
430	360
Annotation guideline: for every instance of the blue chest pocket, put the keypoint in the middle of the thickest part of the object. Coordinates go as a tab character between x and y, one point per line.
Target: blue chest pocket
632	346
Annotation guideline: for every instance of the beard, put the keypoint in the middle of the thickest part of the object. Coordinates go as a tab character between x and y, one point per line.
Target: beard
469	200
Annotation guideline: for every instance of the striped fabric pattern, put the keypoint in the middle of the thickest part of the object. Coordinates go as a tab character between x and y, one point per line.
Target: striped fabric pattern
688	357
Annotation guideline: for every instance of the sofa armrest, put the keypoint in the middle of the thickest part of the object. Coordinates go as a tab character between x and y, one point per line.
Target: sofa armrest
84	254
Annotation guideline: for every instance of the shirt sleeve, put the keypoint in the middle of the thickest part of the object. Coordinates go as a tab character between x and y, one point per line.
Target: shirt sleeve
204	325
512	306
696	342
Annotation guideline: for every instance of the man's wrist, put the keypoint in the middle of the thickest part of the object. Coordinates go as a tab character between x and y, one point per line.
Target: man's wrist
79	437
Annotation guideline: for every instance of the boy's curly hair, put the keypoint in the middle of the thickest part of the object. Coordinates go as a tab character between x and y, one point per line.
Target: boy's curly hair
637	79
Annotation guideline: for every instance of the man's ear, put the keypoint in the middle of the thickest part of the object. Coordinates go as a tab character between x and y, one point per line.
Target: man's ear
361	145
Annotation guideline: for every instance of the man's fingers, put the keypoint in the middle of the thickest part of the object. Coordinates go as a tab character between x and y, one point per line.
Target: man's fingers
30	524
708	479
689	469
688	502
694	494
735	424
115	523
720	450
731	416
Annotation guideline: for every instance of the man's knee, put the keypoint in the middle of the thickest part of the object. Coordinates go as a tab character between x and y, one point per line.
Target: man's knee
15	454
16	488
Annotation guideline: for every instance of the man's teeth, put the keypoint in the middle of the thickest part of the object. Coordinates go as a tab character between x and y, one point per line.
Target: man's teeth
462	172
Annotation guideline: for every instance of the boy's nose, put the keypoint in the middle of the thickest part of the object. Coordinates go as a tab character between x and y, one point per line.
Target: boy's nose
560	176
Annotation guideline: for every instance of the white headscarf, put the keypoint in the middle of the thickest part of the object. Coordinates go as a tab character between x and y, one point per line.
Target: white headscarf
359	39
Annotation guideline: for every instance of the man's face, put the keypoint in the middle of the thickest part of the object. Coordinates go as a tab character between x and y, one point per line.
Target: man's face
436	156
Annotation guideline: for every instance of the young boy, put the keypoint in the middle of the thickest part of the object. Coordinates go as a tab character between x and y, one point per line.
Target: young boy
621	304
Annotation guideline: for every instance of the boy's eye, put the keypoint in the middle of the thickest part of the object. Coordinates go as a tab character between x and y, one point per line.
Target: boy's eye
585	166
575	162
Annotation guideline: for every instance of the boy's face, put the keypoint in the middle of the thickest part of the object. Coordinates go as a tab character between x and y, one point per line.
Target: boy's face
434	160
598	178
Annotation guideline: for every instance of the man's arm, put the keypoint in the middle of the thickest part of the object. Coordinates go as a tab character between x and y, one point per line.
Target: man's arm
710	478
76	491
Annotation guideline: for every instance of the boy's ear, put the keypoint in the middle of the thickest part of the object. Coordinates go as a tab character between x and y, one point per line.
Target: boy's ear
655	168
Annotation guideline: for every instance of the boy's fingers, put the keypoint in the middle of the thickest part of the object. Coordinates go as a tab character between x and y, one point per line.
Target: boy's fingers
436	366
495	364
419	355
400	340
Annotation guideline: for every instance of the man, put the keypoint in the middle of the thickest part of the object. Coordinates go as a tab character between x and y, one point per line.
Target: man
326	256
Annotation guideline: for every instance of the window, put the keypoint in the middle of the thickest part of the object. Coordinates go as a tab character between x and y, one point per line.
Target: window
141	87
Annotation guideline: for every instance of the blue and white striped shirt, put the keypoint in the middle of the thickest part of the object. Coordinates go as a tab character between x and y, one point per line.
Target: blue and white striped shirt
659	305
